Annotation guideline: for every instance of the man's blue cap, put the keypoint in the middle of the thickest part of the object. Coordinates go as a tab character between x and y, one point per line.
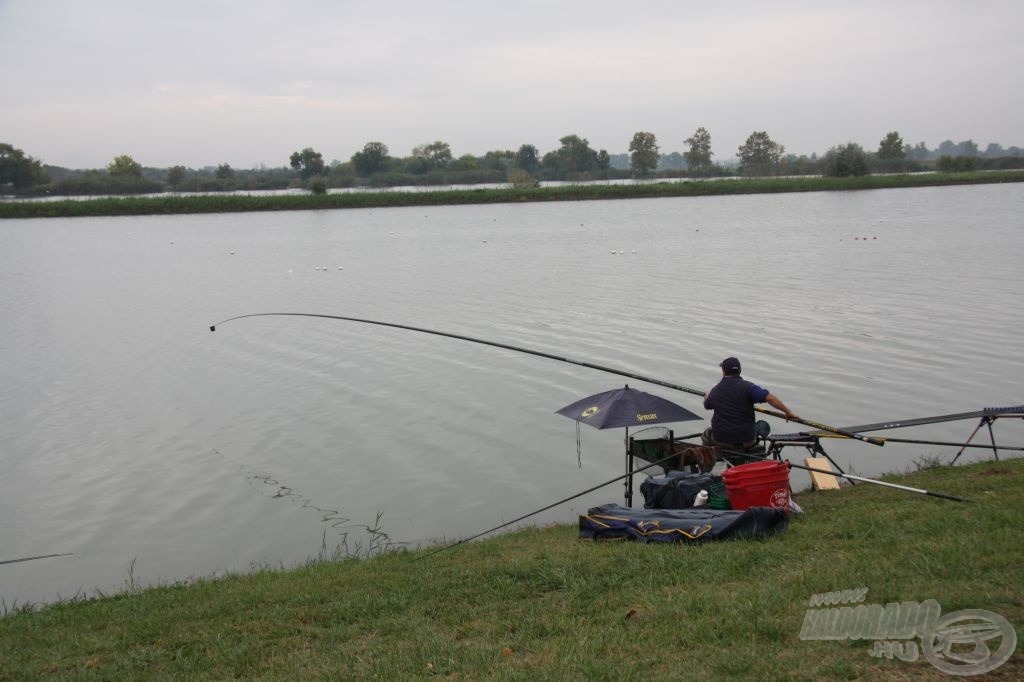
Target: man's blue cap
730	365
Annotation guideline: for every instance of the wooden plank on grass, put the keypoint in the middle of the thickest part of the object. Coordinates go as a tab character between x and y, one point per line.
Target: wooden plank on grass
821	481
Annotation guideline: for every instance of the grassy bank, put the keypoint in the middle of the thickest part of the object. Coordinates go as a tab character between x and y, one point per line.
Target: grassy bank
540	604
173	204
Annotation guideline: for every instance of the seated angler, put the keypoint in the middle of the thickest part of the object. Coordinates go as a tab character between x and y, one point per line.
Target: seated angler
733	400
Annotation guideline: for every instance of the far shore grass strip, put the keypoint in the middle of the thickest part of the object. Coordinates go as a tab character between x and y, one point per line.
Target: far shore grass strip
171	204
539	603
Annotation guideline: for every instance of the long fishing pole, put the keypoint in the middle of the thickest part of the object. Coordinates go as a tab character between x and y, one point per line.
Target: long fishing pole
543	509
33	558
912	441
601	368
920	491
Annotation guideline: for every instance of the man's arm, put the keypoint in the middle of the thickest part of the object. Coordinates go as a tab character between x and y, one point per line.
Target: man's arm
774	401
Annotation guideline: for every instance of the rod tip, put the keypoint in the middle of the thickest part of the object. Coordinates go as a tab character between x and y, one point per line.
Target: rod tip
213	327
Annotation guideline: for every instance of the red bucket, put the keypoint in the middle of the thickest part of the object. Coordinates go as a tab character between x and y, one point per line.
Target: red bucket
758	484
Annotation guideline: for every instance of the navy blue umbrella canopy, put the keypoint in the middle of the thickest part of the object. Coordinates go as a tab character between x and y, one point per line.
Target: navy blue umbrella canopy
625	407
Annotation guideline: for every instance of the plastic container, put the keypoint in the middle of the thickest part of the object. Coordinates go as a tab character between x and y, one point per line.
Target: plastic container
717	497
758	484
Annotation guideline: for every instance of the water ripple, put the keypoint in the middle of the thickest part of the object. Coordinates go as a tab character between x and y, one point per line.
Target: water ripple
854	307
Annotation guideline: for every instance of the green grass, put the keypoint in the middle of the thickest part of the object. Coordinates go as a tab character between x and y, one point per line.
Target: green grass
541	604
173	204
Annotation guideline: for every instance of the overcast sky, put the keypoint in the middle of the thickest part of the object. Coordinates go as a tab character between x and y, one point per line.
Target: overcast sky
204	82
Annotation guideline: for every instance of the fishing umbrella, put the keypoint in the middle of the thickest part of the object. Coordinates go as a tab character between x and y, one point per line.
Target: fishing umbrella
625	407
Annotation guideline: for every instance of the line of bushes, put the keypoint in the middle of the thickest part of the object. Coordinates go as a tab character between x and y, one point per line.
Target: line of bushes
176	204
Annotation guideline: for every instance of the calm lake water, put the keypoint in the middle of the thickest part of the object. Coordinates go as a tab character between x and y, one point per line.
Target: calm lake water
155	451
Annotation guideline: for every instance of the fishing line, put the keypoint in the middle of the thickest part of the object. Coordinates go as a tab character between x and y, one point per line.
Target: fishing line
550	356
579	447
332	518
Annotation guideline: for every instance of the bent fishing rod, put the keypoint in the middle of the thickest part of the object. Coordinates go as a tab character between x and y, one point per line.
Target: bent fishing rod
559	358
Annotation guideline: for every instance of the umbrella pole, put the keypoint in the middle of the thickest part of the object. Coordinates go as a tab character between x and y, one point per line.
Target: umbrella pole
629	471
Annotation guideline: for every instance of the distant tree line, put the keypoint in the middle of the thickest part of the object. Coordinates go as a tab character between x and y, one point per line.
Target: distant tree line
433	163
18	171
